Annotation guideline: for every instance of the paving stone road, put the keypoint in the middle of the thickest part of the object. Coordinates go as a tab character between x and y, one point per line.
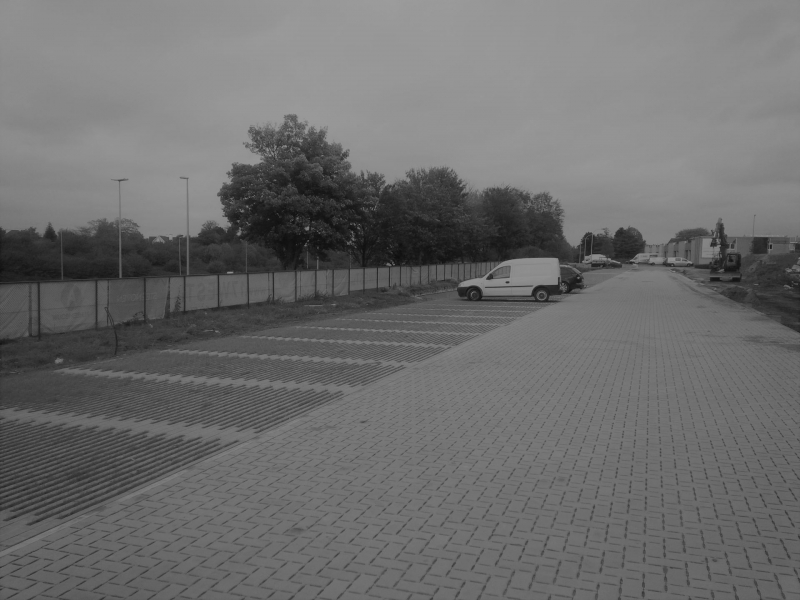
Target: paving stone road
636	440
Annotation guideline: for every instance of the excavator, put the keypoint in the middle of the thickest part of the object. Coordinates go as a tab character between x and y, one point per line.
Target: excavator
724	264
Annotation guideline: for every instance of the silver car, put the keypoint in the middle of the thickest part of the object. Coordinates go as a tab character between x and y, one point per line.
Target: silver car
677	261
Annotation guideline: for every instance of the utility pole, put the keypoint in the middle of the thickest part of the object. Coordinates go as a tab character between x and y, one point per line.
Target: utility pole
119	223
188	239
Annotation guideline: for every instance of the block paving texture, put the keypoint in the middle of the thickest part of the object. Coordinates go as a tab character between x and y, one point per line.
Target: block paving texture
636	440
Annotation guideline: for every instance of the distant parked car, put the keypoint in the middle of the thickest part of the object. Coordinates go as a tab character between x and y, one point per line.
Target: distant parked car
613	264
571	278
658	260
677	261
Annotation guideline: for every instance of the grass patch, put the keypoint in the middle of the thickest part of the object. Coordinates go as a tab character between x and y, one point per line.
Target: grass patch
26	354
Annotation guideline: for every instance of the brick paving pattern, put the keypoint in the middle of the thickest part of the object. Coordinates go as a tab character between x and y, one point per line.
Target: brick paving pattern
636	440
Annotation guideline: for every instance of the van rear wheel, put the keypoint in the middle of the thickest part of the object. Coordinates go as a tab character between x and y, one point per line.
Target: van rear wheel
541	295
473	294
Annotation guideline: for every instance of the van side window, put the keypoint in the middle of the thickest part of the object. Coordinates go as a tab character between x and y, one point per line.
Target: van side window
501	272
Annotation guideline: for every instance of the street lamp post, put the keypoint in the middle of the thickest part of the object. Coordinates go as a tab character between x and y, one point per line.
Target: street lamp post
119	223
188	239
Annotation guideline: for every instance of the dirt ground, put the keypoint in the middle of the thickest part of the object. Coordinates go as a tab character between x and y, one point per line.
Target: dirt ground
763	286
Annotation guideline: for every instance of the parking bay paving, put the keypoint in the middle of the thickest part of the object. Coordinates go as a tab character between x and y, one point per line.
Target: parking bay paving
638	440
118	424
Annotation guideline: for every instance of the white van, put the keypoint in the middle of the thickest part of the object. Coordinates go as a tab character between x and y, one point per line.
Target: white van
594	258
537	277
642	258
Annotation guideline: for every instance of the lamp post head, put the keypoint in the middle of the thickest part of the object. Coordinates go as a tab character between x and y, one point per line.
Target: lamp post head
119	180
186	178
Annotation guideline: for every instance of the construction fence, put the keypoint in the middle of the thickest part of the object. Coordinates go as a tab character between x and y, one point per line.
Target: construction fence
45	307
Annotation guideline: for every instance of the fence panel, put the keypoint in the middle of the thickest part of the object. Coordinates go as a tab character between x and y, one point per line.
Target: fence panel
405	275
125	300
16	316
383	277
157	296
284	286
67	306
425	274
356	280
414	277
260	287
175	301
324	283
201	292
341	280
305	284
232	289
370	278
394	275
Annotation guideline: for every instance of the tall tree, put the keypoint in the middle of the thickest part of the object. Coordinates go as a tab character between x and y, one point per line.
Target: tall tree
368	232
425	211
545	218
504	211
628	242
50	233
301	193
687	234
210	233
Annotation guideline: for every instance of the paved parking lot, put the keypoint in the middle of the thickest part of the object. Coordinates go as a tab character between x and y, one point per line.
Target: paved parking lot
635	440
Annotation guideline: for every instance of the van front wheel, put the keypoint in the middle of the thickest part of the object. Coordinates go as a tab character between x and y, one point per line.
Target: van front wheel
541	295
473	294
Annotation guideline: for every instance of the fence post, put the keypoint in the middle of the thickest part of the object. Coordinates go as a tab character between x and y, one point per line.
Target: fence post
184	294
38	310
377	278
30	310
295	285
348	280
333	283
363	279
96	302
217	290
315	282
144	300
248	289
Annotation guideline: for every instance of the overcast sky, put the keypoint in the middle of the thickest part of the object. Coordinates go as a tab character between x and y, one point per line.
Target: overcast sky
657	115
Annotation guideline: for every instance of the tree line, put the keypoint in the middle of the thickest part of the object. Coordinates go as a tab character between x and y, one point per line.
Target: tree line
92	251
303	194
302	198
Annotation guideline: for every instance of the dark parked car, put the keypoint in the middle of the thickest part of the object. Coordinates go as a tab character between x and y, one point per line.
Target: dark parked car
571	278
614	264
